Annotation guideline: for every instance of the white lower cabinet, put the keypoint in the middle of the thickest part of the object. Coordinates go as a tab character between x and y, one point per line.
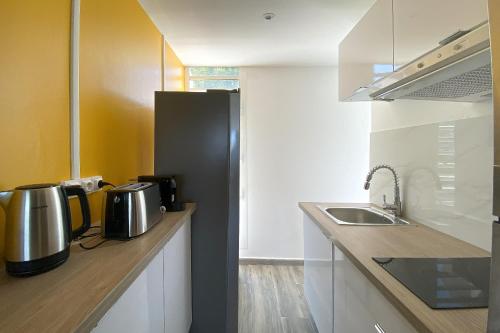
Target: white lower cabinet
340	298
359	306
177	281
140	308
318	284
159	300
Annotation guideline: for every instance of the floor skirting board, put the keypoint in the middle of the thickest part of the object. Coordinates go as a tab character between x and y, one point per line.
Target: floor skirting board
271	261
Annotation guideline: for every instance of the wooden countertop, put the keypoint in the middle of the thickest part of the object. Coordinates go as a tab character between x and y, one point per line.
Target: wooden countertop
75	296
361	243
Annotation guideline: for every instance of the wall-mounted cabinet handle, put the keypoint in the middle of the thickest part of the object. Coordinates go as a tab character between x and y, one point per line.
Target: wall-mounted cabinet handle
454	36
360	89
379	329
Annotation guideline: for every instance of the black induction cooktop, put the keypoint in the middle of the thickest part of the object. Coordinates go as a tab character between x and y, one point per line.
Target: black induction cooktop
443	283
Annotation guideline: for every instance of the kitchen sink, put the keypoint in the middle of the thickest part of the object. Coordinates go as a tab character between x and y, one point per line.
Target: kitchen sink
361	216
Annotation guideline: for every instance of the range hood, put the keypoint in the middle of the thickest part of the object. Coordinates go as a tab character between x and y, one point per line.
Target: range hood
458	70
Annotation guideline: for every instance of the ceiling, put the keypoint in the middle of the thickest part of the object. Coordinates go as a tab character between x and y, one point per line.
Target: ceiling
234	32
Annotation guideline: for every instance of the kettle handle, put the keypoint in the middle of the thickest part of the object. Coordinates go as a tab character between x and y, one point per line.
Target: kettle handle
84	204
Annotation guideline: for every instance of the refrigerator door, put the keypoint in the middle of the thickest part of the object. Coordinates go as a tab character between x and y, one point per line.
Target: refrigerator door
496	181
494	298
197	138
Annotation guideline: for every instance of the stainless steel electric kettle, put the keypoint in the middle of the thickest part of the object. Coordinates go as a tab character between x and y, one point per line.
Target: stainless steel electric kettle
38	228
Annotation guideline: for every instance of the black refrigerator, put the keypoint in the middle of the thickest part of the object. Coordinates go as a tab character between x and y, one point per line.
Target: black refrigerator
197	139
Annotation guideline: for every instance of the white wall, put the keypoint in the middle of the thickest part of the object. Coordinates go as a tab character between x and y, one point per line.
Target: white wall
443	152
302	145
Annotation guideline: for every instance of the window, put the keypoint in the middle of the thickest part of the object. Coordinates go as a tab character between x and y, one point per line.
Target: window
203	78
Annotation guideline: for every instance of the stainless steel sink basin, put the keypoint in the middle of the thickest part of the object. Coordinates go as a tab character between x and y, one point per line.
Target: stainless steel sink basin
360	216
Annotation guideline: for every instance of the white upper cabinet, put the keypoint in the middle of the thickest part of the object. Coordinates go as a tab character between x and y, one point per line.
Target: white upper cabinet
365	55
395	32
420	25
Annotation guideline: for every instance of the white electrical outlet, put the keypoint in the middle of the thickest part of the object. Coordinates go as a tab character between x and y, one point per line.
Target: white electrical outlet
89	184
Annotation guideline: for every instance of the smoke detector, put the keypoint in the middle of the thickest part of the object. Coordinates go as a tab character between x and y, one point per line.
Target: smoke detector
269	16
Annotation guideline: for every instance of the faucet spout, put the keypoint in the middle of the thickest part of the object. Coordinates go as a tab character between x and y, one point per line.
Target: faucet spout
397	207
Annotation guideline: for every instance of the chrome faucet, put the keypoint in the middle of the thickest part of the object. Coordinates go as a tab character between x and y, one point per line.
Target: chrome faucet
396	207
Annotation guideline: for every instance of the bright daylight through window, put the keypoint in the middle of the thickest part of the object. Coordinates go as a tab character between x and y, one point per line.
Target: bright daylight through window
203	78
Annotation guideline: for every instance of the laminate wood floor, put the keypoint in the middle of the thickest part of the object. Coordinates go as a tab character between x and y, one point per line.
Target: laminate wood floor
271	300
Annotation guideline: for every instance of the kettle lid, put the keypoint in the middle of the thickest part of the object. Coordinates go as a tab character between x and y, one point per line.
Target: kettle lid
35	186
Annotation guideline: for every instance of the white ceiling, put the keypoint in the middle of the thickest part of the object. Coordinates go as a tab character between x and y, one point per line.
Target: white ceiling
234	33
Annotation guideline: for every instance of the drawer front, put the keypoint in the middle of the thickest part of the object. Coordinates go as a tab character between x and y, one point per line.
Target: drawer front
365	307
388	317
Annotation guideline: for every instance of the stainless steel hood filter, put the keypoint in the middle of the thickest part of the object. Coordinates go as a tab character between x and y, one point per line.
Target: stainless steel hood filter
474	83
457	71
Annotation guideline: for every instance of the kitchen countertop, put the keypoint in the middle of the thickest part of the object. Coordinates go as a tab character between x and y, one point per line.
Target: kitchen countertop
77	294
361	243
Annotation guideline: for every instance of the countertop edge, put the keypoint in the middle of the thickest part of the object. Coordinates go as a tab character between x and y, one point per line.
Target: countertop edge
93	318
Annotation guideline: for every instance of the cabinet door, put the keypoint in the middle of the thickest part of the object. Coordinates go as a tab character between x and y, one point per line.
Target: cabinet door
365	55
340	311
318	283
420	25
359	306
140	308
177	281
350	294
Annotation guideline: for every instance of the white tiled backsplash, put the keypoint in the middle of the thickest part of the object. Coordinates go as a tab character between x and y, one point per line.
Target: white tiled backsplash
446	175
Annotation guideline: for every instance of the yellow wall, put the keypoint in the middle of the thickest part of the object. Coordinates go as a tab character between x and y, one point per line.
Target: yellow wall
120	68
34	93
174	71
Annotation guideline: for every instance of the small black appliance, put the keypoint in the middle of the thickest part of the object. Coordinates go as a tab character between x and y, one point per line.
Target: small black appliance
169	191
